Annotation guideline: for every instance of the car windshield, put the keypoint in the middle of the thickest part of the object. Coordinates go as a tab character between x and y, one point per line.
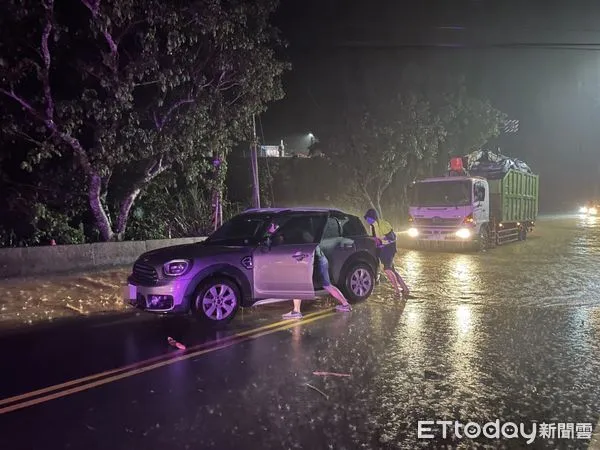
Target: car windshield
442	193
245	229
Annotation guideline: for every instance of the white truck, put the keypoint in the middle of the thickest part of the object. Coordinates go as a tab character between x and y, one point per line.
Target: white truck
478	211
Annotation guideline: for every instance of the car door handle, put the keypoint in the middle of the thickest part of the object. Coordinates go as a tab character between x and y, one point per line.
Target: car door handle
299	256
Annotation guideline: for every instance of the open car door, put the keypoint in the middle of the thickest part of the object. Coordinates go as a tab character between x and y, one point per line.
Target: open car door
284	269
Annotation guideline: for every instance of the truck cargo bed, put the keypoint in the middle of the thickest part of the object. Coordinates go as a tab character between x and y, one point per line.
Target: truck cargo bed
514	197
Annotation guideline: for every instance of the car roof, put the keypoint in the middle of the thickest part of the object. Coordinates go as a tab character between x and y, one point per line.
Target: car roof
292	209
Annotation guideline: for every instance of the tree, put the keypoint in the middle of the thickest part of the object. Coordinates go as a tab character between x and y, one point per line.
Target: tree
374	144
401	128
132	89
470	122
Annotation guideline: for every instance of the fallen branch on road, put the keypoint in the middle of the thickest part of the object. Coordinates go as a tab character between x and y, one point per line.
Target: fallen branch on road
172	342
75	308
318	390
333	374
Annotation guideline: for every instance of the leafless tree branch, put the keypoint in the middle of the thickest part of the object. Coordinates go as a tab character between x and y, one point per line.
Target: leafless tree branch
160	123
45	49
51	126
94	7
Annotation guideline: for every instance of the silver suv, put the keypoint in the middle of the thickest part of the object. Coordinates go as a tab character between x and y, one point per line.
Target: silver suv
240	264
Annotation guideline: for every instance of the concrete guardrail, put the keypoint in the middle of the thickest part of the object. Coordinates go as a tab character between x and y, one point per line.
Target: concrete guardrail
55	259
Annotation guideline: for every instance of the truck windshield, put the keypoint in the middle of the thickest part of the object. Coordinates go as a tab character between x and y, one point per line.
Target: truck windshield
442	193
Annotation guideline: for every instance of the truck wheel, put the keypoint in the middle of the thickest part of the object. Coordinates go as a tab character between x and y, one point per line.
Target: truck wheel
483	239
522	233
216	301
359	282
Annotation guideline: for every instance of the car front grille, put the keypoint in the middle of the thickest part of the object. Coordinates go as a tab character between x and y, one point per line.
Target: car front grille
144	273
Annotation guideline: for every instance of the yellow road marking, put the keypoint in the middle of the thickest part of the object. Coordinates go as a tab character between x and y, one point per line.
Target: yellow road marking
135	369
144	362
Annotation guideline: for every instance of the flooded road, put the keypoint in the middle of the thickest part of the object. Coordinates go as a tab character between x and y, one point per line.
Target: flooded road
512	334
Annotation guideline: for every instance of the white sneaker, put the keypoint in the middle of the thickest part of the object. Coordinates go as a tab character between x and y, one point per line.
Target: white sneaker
292	315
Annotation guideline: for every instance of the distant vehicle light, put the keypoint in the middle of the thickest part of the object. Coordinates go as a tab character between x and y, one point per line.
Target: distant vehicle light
463	233
583	210
413	232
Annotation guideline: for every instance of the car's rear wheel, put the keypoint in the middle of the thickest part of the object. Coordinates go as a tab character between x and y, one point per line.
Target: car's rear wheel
217	300
359	281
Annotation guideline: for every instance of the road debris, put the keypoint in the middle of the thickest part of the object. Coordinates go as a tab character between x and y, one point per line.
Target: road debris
333	374
75	308
318	390
173	343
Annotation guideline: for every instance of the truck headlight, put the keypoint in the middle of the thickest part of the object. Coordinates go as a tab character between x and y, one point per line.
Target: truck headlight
176	267
413	232
463	233
583	210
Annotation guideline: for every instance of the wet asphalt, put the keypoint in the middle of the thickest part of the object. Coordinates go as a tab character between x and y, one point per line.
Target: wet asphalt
511	334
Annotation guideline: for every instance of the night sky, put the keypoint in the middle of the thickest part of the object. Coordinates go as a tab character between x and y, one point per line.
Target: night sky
537	61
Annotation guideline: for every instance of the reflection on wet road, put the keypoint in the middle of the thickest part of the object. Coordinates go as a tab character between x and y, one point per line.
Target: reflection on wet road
510	334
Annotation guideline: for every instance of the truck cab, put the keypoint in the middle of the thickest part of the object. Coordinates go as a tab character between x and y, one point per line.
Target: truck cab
453	208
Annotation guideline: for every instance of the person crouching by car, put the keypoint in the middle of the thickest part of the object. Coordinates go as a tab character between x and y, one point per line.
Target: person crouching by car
384	234
322	264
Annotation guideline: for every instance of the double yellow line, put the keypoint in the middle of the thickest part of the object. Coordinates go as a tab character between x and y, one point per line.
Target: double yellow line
47	394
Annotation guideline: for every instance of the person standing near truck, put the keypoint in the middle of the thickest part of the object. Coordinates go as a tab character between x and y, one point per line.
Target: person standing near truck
385	236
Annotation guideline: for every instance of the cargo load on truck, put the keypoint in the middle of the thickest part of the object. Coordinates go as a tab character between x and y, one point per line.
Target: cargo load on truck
486	199
491	165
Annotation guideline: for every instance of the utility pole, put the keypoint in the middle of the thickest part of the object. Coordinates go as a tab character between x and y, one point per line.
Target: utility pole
254	162
217	200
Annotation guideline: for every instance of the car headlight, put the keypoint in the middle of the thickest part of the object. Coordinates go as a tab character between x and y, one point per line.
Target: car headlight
176	267
593	211
583	210
463	233
413	232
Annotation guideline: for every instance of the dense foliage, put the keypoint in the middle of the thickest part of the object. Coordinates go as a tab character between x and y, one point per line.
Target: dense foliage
130	90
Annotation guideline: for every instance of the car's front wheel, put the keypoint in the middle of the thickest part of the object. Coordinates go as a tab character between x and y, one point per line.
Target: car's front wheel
359	282
217	301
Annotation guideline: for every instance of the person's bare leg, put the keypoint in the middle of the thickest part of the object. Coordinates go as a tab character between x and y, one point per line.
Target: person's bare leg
402	284
391	275
294	313
337	294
